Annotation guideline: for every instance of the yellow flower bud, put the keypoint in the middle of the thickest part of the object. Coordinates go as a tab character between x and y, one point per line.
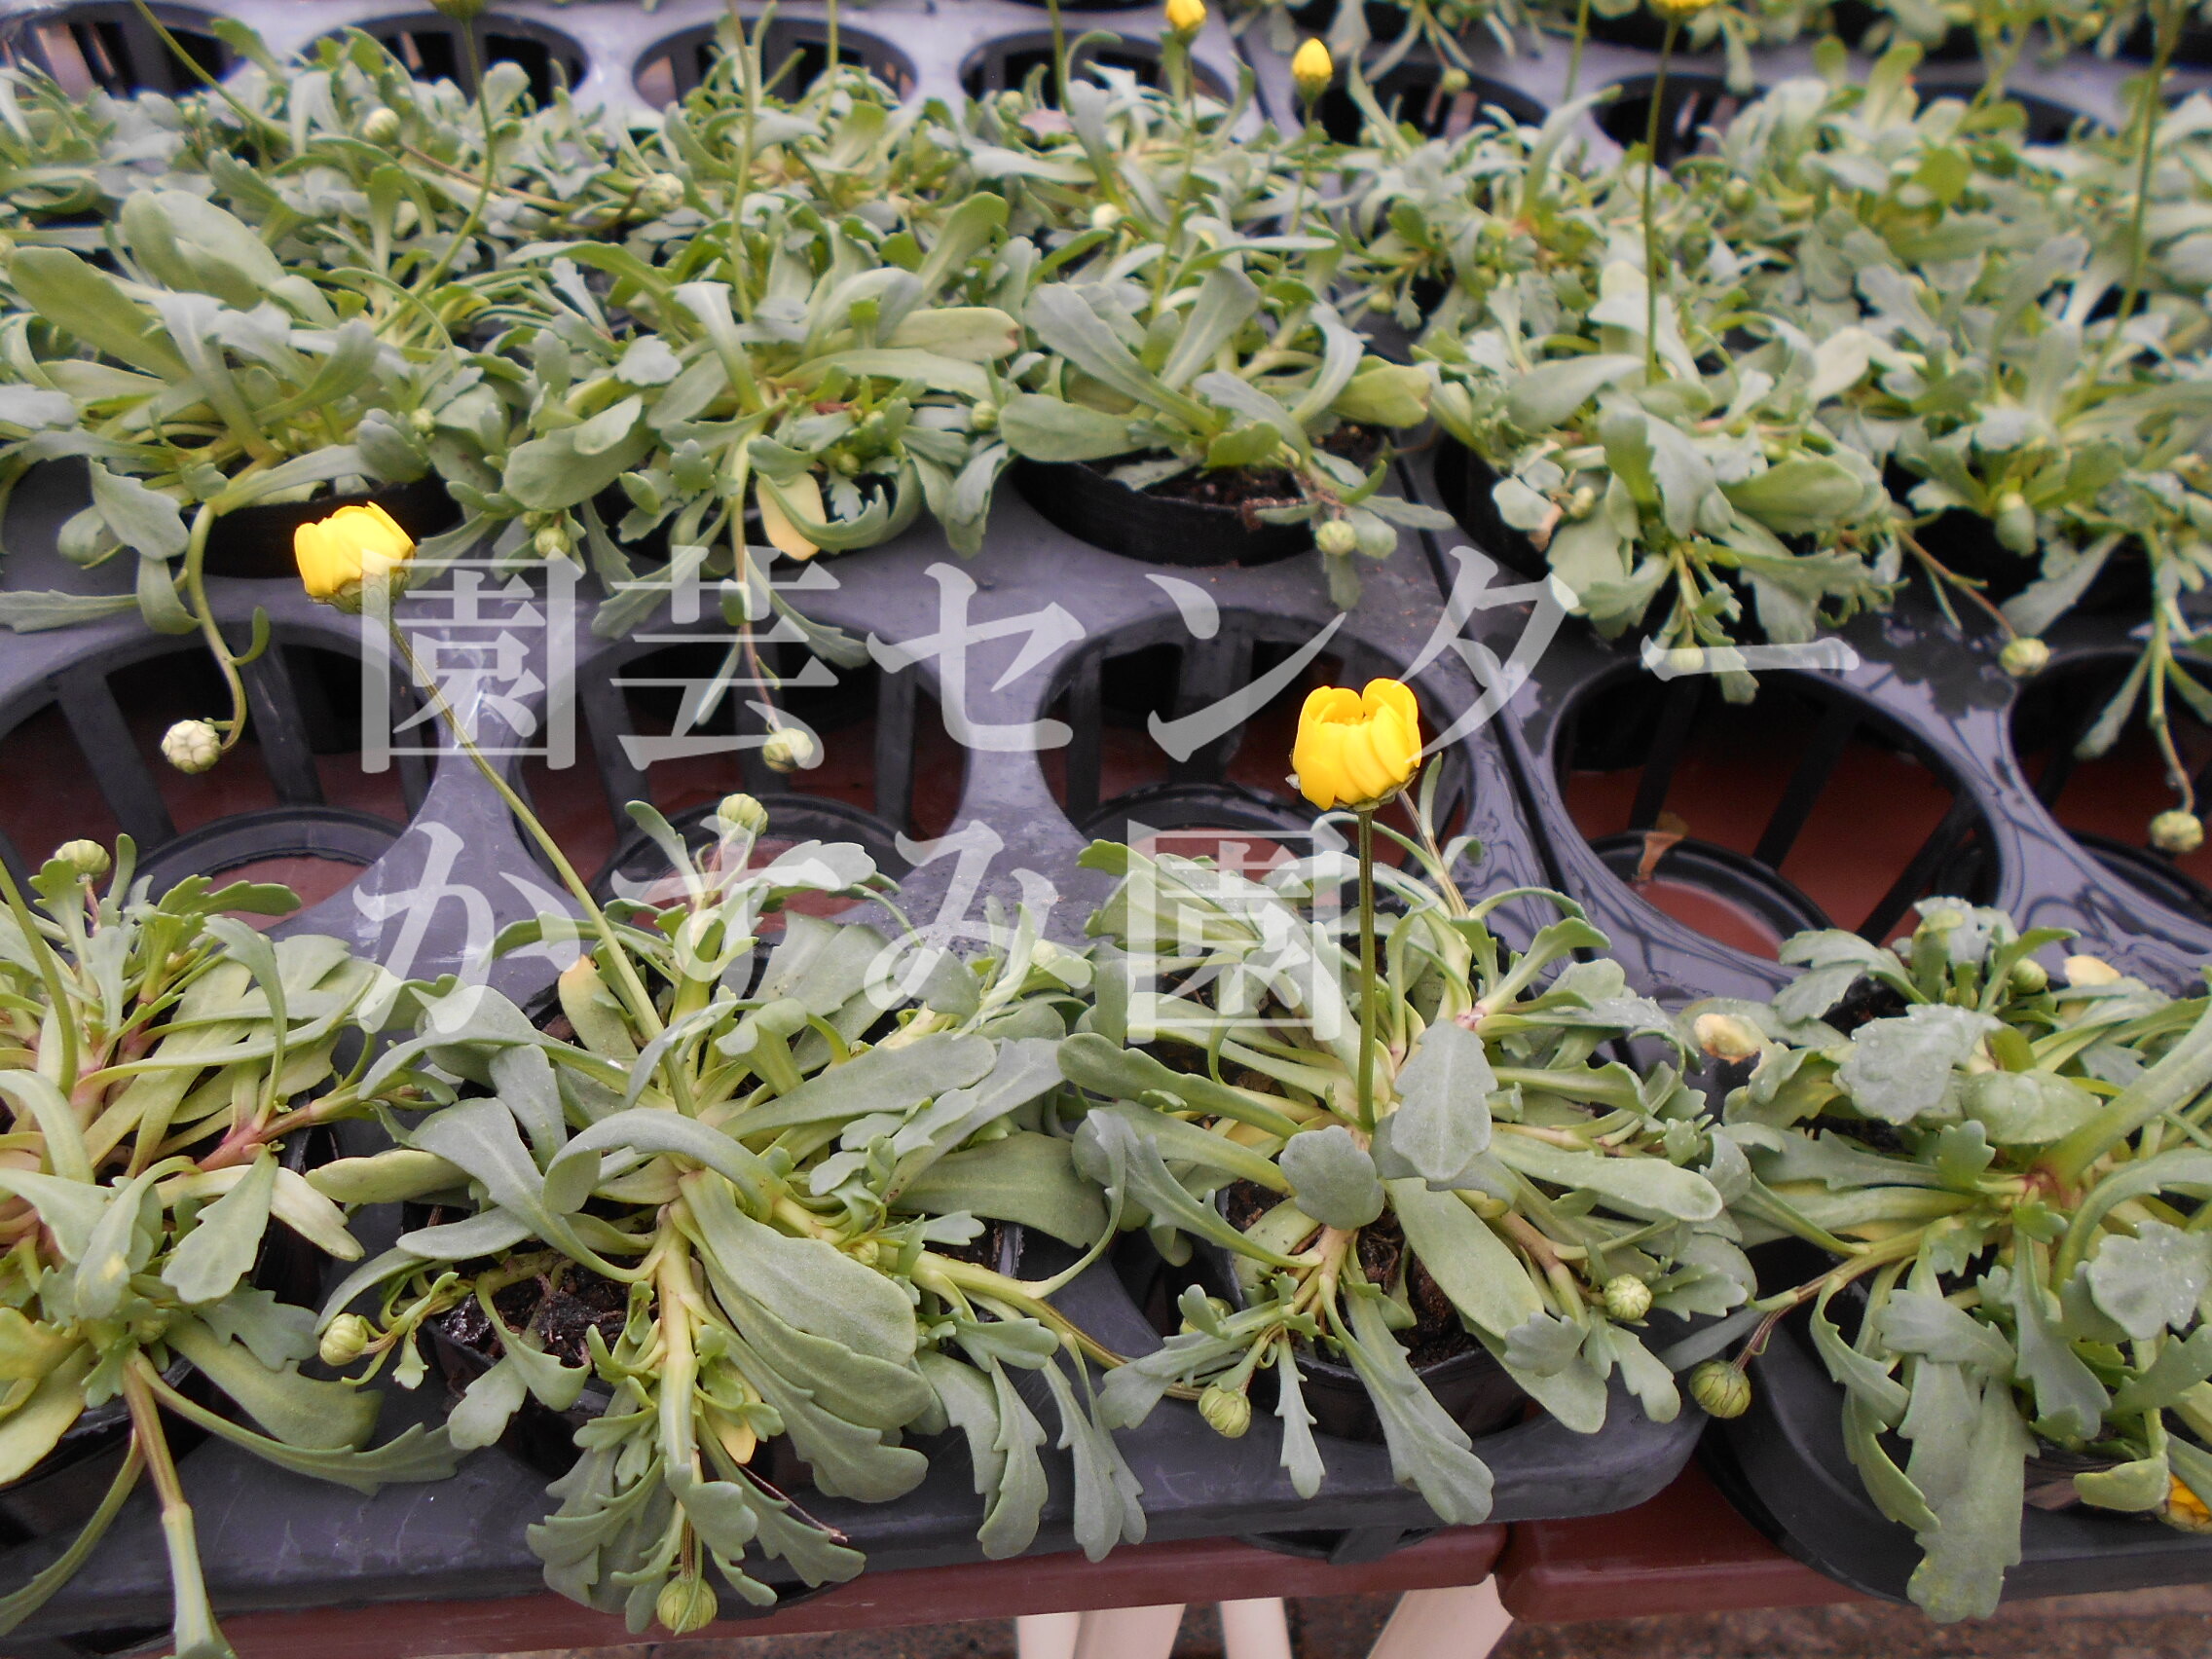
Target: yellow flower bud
1725	1037
2177	832
2090	971
2025	656
1312	69
1228	1411
354	546
1679	9
742	814
1186	18
788	749
1358	749
2185	1511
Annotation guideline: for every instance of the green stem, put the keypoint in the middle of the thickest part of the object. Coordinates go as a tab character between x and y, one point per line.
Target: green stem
1574	53
1059	54
1651	218
633	989
196	593
193	1630
2146	157
470	225
1367	970
199	73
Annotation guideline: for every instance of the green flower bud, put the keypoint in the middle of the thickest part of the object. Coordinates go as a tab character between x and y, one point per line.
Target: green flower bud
2030	976
1627	1298
551	543
984	417
422	421
381	128
1009	106
88	858
2015	521
1226	1411
743	813
192	746
2177	832
1721	1390
346	1340
661	192
1377	540
788	749
1105	216
2025	656
1737	193
1453	82
1334	537
687	1604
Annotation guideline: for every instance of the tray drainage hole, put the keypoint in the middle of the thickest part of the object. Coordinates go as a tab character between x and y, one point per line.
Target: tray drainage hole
2106	802
1010	62
792	58
1412	94
293	803
428	46
1749	822
647	727
1692	106
108	48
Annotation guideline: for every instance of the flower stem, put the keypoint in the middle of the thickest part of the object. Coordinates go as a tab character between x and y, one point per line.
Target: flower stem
1574	53
2146	157
196	591
1367	970
475	219
1651	218
193	1627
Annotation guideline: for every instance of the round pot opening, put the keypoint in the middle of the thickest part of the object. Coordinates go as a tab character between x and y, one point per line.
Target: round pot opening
792	58
1750	821
432	49
1413	93
107	47
1690	107
1011	60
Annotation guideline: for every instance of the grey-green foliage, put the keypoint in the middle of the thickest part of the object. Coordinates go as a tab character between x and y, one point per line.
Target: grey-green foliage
1521	1167
781	1156
2008	1173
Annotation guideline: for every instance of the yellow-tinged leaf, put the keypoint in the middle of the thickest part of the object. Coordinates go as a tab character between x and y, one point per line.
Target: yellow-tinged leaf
28	1351
30	1432
806	495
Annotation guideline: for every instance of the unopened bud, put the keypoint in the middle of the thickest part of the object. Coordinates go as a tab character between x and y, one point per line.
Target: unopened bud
661	192
788	749
88	858
2029	976
742	812
422	421
1226	1411
1627	1298
381	128
2177	832
1377	540
192	746
2025	656
1453	82
984	417
1186	18
551	543
687	1604
1725	1037
346	1340
2090	971
1721	1390
1009	106
1335	537
1311	70
2015	521
1105	216
2185	1511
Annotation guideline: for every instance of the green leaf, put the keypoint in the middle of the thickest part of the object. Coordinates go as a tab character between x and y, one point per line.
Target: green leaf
549	473
86	302
2152	1280
1922	1323
1022	1177
1900	1068
964	334
225	1238
1225	302
1802	496
1429	1450
572	1177
1333	1177
1442	1122
2068	1395
1961	1571
809	1284
1469	1263
1548	393
1052	429
2132	1487
878	1080
299	1410
1065	323
2179	1368
1644	1187
1104	1067
1388	394
2030	1108
145	521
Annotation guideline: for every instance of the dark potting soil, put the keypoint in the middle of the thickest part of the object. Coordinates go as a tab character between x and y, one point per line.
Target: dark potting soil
1437	1334
560	1308
1253	486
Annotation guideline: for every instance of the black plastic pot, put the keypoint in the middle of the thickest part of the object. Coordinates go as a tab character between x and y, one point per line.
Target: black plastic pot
257	541
1410	90
1465	482
1077	496
1966	544
1785	1466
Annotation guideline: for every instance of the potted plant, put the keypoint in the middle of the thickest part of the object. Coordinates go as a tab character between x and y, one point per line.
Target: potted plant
1411	1141
159	1062
2002	1166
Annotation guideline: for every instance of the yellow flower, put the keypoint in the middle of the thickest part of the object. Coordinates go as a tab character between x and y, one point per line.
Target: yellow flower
353	545
1683	8
2185	1510
1358	749
1186	18
1313	68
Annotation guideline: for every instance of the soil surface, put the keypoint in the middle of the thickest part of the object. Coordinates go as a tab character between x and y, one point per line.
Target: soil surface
1262	486
1437	1335
560	1310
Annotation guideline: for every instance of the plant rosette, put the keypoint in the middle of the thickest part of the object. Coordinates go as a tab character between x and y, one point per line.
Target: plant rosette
155	1058
777	1161
2006	1170
1553	1195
